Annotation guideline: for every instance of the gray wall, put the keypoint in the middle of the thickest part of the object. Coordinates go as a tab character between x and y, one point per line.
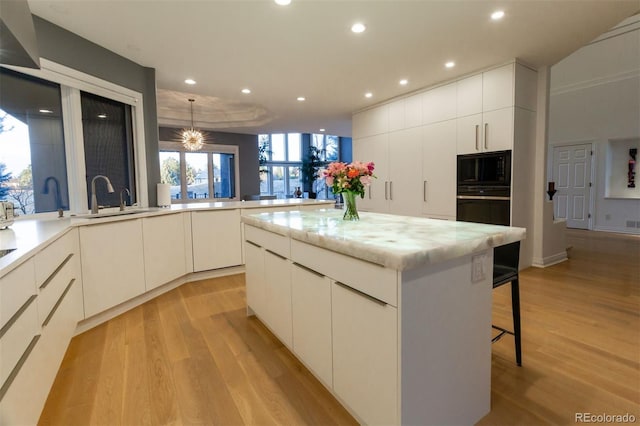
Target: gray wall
248	151
73	51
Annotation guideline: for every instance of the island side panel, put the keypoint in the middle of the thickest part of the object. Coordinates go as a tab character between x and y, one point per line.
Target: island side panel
445	345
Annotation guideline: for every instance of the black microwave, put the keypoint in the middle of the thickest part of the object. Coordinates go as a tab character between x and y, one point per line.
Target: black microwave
485	169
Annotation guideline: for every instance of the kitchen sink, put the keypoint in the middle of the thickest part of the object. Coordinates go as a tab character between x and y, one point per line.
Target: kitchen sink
6	252
113	213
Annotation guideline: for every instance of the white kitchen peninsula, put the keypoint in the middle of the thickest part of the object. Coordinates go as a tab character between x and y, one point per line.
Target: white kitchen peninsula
391	313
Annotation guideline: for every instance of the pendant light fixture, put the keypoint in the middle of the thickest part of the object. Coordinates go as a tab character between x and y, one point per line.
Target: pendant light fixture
192	139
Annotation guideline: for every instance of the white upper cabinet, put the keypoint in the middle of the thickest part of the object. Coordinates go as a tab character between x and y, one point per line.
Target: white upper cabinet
497	132
413	111
469	96
439	104
397	115
371	122
498	88
403	189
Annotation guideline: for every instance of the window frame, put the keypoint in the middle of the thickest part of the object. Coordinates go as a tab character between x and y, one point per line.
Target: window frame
210	149
72	82
285	164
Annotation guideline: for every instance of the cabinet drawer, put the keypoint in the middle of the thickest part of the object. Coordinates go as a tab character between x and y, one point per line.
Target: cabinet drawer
374	280
16	287
273	242
50	258
54	286
15	339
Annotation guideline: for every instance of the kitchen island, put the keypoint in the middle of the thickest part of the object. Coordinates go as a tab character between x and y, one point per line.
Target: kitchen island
392	314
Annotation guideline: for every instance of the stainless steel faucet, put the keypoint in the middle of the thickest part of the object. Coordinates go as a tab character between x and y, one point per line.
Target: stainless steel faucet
122	204
94	198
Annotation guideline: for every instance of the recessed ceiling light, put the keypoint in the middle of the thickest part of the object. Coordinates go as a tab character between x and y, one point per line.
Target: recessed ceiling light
322	130
283	2
368	95
404	82
190	81
497	15
301	98
103	115
246	91
46	111
358	27
450	64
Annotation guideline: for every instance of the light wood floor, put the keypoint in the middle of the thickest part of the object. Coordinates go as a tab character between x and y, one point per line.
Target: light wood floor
191	356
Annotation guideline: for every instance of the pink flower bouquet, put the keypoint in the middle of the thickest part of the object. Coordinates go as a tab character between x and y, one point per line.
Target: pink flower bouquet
354	177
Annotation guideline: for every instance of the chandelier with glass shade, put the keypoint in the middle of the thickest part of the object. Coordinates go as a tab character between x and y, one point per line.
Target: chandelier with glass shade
192	139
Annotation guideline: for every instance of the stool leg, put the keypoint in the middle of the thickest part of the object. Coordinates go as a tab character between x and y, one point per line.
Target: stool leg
515	308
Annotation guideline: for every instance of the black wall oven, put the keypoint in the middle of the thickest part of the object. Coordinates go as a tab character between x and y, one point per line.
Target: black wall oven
484	188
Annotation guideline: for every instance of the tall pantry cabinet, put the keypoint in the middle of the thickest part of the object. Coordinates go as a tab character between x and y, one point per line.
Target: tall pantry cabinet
414	142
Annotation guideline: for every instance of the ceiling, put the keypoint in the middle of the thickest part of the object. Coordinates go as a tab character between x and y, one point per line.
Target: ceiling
307	49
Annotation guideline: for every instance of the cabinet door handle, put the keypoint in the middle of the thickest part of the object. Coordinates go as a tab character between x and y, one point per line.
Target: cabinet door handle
252	243
386	190
25	355
365	295
54	273
369	191
55	307
424	191
311	271
391	190
276	254
477	137
486	144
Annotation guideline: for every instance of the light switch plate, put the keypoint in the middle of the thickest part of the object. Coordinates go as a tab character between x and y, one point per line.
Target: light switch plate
478	269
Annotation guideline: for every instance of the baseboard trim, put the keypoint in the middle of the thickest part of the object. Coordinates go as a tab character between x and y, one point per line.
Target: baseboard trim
632	231
549	260
111	313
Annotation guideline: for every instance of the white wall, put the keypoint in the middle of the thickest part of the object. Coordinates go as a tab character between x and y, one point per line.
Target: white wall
595	97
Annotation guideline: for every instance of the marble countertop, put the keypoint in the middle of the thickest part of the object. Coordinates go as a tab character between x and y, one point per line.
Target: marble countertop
29	234
397	242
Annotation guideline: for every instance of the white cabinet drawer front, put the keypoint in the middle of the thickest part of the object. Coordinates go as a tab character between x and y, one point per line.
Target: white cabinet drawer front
374	280
270	241
217	240
311	313
365	356
55	286
15	289
16	338
48	260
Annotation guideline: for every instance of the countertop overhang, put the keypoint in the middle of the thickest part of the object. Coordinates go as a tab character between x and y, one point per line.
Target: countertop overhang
397	242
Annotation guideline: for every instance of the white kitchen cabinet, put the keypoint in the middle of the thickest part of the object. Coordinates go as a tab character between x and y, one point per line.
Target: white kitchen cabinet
311	317
112	264
469	96
164	249
376	149
277	279
365	354
254	278
396	156
405	163
372	122
217	240
439	170
489	131
498	88
397	115
439	104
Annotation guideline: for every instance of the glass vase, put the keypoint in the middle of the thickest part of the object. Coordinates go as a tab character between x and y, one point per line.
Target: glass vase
350	209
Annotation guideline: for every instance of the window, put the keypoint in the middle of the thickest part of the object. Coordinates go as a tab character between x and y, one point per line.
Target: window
196	176
58	129
33	170
281	162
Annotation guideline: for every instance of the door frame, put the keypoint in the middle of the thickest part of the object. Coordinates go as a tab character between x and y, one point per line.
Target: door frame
594	156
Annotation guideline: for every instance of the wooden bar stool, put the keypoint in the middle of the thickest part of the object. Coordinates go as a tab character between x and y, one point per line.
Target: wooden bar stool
505	270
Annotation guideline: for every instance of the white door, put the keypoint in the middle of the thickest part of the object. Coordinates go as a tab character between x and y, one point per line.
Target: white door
572	175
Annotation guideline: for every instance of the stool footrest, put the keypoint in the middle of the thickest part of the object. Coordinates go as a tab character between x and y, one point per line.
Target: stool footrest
502	333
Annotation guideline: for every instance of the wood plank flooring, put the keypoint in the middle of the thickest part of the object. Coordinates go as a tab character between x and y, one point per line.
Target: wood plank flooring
191	356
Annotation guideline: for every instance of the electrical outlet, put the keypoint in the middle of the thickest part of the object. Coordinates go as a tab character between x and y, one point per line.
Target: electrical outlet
478	270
